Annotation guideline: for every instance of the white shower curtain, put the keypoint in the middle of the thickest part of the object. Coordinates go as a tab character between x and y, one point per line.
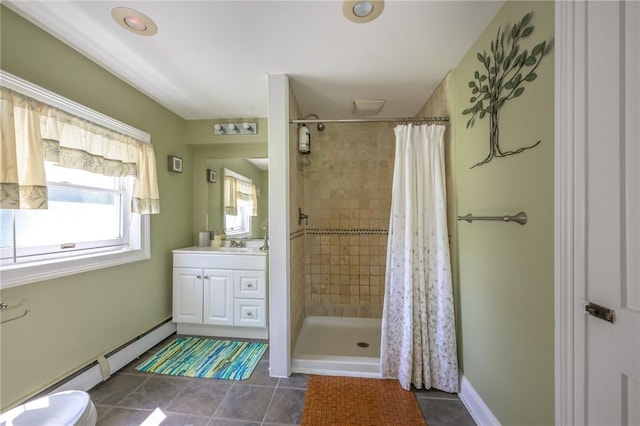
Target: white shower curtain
418	342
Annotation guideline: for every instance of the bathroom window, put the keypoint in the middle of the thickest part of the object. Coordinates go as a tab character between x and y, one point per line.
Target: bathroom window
83	191
87	213
240	204
87	226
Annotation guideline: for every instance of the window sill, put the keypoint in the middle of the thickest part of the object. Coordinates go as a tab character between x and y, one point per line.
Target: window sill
27	273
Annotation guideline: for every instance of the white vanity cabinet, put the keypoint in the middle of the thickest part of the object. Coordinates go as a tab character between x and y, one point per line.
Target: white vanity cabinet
203	296
218	293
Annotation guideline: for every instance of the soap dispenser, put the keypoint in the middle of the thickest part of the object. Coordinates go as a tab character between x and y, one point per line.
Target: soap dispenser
216	242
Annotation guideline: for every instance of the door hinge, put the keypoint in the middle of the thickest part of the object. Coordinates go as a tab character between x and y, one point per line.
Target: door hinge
601	312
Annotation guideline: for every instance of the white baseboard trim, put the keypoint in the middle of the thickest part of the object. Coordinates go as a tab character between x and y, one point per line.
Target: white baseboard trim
475	405
94	375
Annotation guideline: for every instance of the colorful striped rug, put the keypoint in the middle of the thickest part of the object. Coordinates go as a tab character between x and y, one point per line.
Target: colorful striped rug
210	358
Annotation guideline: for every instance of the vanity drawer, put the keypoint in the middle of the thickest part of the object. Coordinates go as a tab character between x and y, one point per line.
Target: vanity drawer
250	313
250	284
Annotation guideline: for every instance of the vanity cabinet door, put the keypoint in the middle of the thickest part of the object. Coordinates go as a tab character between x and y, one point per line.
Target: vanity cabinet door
187	295
218	297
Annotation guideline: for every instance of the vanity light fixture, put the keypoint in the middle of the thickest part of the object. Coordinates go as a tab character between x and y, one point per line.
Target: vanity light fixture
235	128
134	21
361	11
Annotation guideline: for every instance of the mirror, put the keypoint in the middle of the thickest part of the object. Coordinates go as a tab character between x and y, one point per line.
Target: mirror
254	169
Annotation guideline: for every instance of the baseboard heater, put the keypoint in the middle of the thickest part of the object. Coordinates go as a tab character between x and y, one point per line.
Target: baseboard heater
102	368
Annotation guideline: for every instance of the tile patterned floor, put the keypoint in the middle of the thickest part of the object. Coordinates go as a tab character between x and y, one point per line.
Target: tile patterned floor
129	398
443	409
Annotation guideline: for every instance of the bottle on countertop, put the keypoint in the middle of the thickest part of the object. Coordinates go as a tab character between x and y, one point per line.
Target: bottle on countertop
216	241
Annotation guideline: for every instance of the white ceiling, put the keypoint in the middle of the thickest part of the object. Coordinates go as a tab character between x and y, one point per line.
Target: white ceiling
210	59
261	163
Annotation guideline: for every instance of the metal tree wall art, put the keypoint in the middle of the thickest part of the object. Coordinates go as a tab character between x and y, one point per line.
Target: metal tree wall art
506	70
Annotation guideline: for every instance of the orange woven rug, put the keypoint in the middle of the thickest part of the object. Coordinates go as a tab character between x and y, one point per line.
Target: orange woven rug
350	401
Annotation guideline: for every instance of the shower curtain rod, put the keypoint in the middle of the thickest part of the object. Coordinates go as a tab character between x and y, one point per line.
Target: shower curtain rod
373	120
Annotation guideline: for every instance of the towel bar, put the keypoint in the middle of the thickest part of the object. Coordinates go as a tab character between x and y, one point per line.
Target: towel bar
520	218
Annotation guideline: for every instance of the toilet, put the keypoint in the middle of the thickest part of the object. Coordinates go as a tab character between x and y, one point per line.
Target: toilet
68	408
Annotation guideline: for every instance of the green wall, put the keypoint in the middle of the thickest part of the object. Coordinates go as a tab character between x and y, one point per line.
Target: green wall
506	270
76	318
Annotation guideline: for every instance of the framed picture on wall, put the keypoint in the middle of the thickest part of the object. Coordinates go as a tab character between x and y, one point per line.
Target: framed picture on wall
174	164
212	176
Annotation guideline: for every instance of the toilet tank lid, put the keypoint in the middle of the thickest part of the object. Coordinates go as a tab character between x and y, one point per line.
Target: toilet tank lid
63	408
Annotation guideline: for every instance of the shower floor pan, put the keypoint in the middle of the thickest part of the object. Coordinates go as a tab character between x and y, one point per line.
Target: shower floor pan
338	346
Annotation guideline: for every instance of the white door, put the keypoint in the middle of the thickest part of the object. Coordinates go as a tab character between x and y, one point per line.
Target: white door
606	226
218	297
187	295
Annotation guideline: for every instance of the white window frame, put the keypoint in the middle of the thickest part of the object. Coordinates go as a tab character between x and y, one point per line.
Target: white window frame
139	247
13	255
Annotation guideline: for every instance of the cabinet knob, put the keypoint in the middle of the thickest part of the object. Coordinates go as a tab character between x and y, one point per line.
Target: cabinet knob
249	314
250	285
206	277
198	276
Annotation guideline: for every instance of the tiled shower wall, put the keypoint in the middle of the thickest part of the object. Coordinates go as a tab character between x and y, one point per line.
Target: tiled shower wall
347	195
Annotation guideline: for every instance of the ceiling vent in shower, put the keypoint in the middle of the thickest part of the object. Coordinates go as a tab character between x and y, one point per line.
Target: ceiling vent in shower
368	107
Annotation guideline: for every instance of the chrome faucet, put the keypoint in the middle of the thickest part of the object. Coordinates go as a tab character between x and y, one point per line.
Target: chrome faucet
236	243
266	239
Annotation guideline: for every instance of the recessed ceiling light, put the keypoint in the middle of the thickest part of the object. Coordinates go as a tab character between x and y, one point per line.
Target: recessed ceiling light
134	21
362	10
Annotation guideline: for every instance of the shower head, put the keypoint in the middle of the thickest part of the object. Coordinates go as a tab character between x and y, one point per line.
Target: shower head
320	126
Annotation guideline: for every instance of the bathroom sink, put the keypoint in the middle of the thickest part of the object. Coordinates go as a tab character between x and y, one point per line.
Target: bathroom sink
224	253
232	249
243	258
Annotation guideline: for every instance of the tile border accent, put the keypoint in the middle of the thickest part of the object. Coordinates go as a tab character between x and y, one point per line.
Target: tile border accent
333	231
352	231
296	234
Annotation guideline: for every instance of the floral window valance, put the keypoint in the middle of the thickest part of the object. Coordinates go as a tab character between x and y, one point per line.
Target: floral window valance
237	189
33	132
